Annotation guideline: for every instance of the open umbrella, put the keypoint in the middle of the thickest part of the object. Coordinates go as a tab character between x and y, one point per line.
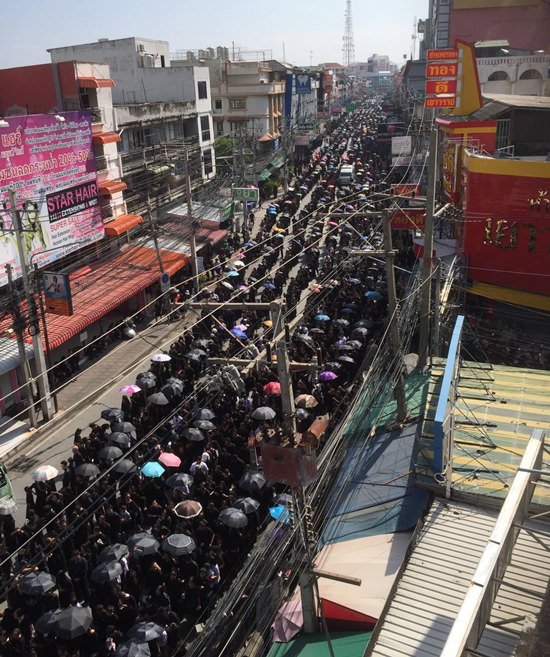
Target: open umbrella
279	513
73	621
317	331
124	427
333	367
322	318
283	499
374	295
188	509
179	480
269	286
143	544
125	466
195	354
113	552
171	390
233	274
44	473
169	460
47	622
119	439
327	375
302	414
7	507
107	571
237	333
238	264
175	381
233	518
252	481
227	285
158	399
36	583
112	414
341	322
129	389
359	333
344	347
306	401
178	544
272	388
205	414
152	469
246	504
110	453
133	648
146	631
146	381
194	435
346	359
354	344
200	343
263	413
204	425
161	358
87	470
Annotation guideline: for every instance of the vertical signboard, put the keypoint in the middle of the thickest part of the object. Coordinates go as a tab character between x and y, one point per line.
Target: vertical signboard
57	294
50	166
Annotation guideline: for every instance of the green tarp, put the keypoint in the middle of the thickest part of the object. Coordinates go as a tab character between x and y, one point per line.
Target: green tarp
344	644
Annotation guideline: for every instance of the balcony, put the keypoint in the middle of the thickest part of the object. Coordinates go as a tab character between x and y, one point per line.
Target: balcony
143	113
139	158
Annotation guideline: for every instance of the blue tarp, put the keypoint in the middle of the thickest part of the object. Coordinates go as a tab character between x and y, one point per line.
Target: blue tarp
376	492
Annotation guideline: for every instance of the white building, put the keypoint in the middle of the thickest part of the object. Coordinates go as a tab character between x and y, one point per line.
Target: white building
525	75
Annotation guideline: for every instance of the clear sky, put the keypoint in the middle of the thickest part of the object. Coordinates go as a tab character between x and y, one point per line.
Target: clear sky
311	30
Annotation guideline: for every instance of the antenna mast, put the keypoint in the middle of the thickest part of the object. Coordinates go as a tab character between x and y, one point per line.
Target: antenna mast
348	49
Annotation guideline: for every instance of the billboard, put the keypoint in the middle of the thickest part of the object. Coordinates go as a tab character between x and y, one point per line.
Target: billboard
50	166
57	293
408	219
401	145
303	83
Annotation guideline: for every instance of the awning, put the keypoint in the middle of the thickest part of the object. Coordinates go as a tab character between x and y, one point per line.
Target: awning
506	294
9	354
106	137
122	224
266	137
213	236
110	187
94	83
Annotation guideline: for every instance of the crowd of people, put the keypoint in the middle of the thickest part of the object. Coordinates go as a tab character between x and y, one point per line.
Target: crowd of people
136	528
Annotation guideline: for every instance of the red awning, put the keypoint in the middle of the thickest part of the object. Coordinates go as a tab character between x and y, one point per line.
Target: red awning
94	83
213	236
106	137
122	224
110	187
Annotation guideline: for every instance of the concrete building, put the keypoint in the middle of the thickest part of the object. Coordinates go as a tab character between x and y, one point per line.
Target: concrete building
158	109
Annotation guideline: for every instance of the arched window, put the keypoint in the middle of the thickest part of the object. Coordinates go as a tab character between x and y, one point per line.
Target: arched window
498	76
530	74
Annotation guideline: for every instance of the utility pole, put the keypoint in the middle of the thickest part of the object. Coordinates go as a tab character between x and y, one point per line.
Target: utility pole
394	318
283	369
437	307
40	363
19	325
192	222
425	300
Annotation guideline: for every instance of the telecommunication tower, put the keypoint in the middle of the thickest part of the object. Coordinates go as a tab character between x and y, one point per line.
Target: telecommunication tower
348	49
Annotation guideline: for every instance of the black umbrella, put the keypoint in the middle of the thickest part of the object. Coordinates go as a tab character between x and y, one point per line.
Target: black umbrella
175	381
124	466
178	544
302	414
359	333
146	631
317	331
114	552
171	390
36	583
204	425
195	435
112	414
107	571
133	648
179	480
143	544
205	414
73	621
283	499
304	338
233	518
87	470
252	481
362	323
346	359
246	504
263	413
47	622
355	344
119	439
158	399
195	354
344	347
146	383
124	427
111	452
341	322
202	343
332	367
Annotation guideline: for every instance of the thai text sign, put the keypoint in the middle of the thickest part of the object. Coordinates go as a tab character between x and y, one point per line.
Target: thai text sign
50	166
436	101
440	87
441	70
408	219
439	54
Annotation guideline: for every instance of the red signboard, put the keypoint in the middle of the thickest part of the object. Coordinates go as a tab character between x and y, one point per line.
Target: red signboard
441	54
408	219
439	70
440	102
440	87
506	230
405	189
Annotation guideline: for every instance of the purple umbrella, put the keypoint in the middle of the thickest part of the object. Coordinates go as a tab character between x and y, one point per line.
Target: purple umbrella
327	376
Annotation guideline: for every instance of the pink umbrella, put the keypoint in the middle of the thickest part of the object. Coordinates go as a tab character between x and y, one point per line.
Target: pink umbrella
169	460
129	390
272	388
332	223
288	621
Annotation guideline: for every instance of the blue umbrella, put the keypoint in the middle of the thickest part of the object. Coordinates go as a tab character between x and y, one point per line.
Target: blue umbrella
249	244
233	273
269	286
354	281
152	469
375	296
238	333
322	318
280	513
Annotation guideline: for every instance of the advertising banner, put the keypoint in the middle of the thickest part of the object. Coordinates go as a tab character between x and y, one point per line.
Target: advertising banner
388	130
50	166
401	145
442	53
506	223
303	83
408	219
57	293
440	86
408	190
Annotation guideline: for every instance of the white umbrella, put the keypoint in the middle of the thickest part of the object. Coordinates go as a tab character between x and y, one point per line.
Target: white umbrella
160	358
44	473
239	264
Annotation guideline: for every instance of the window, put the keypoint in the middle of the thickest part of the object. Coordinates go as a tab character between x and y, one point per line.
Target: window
237	103
203	90
530	74
219	128
205	128
218	104
207	161
498	76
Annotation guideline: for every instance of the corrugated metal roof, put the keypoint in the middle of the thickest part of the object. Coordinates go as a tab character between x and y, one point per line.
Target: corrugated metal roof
9	354
497	104
436	579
